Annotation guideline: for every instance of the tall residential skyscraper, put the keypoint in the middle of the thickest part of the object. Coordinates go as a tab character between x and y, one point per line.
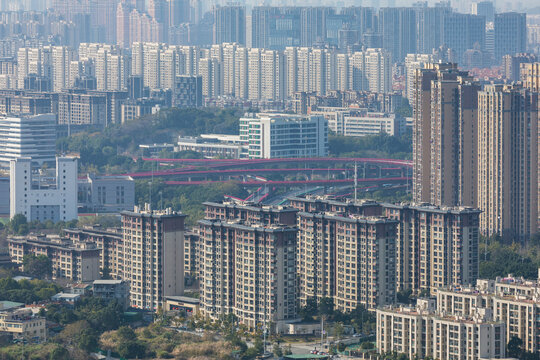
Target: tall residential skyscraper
508	161
444	136
530	76
248	269
153	255
510	34
511	65
350	258
435	246
229	24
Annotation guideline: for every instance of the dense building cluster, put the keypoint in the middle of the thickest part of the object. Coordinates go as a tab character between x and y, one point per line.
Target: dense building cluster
478	146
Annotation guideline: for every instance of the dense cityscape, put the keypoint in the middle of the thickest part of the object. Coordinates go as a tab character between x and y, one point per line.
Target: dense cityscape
192	179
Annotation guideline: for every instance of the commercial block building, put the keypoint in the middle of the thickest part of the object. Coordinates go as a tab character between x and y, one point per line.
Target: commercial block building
44	200
106	193
187	91
28	136
153	255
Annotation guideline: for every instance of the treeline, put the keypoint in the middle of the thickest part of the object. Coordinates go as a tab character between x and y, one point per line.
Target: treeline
500	258
187	199
111	149
27	291
377	146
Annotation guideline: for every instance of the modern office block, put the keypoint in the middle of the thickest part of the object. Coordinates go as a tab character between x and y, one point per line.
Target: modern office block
31	136
284	136
510	34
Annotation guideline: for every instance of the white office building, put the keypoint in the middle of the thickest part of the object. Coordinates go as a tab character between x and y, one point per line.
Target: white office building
272	135
31	136
371	123
38	195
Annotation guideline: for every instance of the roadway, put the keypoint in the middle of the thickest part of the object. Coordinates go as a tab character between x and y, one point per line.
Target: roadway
297	182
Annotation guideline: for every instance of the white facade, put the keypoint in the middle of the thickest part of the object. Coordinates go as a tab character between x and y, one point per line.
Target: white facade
423	331
53	201
284	136
28	136
371	124
413	62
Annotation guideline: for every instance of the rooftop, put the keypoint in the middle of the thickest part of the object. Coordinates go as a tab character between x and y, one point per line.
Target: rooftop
6	305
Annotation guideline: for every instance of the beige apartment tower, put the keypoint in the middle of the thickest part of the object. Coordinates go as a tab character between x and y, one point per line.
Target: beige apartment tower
444	136
508	161
435	247
153	255
348	258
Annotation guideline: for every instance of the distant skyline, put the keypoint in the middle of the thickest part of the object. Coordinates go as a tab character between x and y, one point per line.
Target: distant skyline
460	5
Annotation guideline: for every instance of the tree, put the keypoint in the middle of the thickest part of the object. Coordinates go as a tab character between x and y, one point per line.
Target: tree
404	296
59	353
307	312
514	347
37	266
338	330
131	349
326	306
18	225
278	352
287	350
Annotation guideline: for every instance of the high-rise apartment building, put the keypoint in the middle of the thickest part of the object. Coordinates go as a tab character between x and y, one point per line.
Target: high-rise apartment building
444	136
510	34
530	76
508	161
435	247
431	26
348	258
259	285
284	136
424	331
511	65
153	255
412	63
512	300
229	24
